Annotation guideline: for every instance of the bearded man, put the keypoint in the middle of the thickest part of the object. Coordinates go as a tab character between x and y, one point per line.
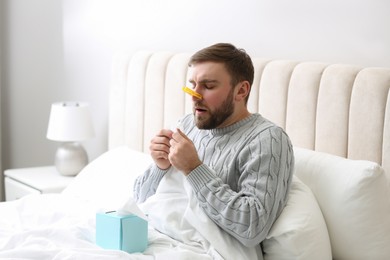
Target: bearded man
238	164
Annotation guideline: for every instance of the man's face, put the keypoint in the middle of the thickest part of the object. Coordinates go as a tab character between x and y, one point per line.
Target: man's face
212	81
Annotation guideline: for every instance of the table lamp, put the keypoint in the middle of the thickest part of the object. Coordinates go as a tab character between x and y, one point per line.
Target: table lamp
70	123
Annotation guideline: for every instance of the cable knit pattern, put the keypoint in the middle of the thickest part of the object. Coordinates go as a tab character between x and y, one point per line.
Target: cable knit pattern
245	177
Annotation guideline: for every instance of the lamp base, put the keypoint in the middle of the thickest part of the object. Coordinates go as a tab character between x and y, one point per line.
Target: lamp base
70	158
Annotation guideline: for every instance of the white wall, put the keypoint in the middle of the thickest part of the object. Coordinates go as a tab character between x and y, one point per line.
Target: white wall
351	31
32	79
60	50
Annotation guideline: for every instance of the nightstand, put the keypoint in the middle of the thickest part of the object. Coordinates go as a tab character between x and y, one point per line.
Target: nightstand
35	180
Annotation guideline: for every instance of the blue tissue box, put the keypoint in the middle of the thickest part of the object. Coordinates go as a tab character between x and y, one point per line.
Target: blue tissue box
128	233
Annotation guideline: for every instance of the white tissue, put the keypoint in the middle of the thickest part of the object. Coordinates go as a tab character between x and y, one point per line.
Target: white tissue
179	125
130	207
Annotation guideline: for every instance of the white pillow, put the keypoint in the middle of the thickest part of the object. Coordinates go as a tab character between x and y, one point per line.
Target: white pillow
300	231
354	197
108	180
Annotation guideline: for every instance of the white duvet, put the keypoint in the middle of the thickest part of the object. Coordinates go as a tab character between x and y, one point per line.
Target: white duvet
62	226
174	210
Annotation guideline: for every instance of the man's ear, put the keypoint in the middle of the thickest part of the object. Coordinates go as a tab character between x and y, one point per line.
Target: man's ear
242	90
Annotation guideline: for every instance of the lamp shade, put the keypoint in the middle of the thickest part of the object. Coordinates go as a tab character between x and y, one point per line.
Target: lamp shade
70	122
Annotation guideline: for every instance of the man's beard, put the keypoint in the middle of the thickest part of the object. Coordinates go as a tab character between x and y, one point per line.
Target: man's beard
218	116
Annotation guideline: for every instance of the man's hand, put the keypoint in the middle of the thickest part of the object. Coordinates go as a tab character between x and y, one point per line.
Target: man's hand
159	148
183	154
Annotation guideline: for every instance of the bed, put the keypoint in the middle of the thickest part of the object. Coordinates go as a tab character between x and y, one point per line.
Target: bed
338	118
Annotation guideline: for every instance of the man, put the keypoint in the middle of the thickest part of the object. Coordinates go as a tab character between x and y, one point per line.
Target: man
238	164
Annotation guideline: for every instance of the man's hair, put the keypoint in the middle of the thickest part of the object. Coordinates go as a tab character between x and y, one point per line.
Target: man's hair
237	62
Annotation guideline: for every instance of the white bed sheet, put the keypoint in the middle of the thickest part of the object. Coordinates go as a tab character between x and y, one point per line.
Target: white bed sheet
62	226
56	226
50	226
175	211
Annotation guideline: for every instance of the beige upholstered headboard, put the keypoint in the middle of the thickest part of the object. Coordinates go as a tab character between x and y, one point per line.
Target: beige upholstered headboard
338	109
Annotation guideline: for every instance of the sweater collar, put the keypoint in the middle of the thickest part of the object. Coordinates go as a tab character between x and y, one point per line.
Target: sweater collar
233	127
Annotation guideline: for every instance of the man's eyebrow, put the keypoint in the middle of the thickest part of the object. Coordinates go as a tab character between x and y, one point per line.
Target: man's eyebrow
204	81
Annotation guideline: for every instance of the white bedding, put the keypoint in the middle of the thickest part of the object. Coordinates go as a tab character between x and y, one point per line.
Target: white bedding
51	226
55	226
174	210
62	226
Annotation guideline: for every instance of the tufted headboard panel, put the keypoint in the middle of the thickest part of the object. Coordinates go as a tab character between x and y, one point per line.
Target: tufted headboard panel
338	109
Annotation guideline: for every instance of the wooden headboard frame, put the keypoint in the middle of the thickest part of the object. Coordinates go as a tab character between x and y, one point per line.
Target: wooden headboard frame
338	109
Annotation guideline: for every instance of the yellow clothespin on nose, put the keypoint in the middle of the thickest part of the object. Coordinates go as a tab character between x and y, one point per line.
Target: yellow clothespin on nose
192	93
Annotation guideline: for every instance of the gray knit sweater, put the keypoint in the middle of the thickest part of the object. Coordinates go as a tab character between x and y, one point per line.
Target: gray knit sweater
245	177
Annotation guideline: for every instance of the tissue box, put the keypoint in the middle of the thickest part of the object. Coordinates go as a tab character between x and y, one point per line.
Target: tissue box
128	233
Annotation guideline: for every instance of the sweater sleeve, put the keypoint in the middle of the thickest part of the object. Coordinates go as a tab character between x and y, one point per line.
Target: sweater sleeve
146	184
265	167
